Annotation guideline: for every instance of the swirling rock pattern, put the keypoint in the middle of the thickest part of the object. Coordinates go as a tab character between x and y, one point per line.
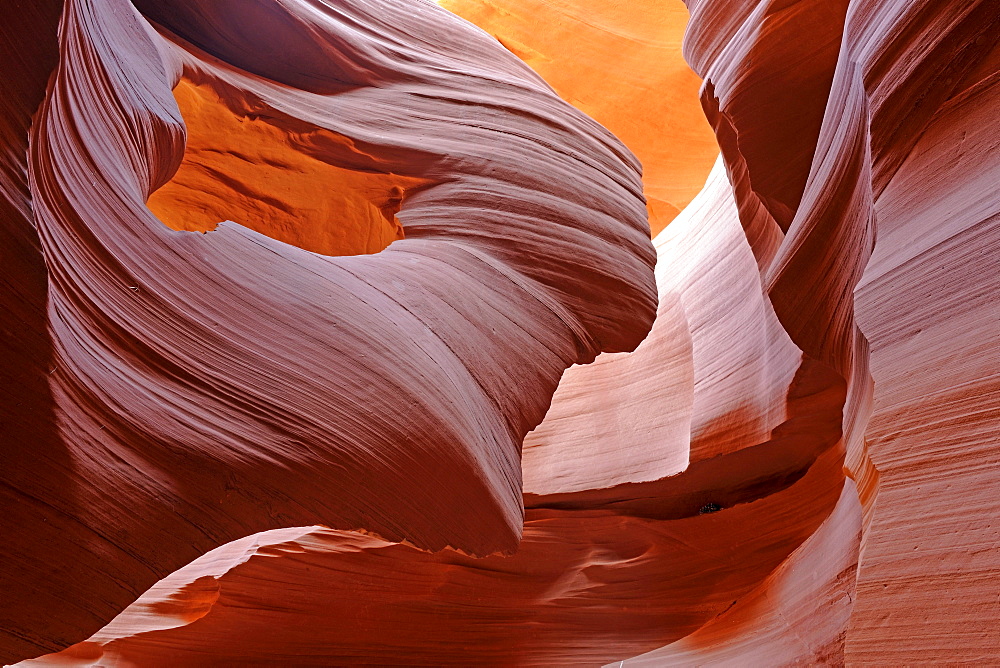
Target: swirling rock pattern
208	386
620	63
588	553
796	466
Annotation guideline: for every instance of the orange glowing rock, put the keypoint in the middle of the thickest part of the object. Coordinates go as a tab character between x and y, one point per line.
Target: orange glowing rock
795	465
621	64
176	390
246	163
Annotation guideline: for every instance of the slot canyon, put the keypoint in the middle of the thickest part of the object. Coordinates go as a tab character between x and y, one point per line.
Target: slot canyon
500	332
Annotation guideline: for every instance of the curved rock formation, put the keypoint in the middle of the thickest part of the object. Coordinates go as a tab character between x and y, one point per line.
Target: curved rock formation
208	386
620	63
795	466
651	555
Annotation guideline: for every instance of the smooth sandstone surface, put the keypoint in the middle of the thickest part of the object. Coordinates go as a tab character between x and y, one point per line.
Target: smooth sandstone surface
619	62
345	598
241	163
795	466
206	386
643	562
796	616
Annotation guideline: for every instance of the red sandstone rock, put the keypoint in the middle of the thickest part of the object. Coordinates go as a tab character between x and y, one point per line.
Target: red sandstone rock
906	83
796	467
635	557
567	597
208	386
797	615
620	63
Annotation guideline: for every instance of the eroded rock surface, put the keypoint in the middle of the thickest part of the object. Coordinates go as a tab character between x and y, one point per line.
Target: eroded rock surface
203	387
795	465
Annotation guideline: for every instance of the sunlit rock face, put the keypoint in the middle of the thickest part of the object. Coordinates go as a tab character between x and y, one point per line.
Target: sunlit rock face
273	174
606	566
193	381
620	63
342	388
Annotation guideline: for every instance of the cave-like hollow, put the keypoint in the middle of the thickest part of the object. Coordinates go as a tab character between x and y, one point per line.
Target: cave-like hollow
247	163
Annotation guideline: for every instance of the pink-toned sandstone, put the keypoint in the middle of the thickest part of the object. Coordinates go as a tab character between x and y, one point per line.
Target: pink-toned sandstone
345	291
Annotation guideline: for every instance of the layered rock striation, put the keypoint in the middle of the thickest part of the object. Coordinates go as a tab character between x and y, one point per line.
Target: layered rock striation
311	308
201	387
